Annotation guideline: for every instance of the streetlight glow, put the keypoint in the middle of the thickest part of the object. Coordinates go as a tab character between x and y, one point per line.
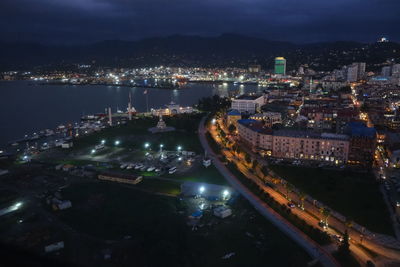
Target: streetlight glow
179	148
225	193
103	142
117	142
202	189
146	145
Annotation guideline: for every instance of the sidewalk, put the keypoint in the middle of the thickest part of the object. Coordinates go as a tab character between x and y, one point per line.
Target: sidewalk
299	237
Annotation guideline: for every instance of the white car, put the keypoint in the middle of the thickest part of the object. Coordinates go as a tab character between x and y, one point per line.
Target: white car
123	166
138	166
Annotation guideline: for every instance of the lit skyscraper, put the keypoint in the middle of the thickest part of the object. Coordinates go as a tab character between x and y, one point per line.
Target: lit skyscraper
280	66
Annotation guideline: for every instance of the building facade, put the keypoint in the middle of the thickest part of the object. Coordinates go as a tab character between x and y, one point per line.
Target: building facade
280	66
269	118
332	148
295	144
248	103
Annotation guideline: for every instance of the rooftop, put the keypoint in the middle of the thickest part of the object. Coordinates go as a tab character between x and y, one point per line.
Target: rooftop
360	129
248	97
309	134
234	112
255	125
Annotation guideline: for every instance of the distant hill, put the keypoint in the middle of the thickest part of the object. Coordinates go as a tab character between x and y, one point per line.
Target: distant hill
178	50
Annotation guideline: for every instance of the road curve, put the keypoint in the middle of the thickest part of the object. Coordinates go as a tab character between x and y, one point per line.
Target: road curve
295	234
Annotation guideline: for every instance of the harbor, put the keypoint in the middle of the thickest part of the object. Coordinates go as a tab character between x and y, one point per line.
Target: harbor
32	103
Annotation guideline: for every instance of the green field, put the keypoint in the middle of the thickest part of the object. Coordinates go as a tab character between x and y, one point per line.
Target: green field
353	194
160	186
204	175
135	133
112	211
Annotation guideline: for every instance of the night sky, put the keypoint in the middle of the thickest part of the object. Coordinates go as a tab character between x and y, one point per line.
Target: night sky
83	21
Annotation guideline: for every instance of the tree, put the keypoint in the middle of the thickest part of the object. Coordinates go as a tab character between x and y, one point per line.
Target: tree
344	246
325	212
349	223
264	170
247	158
302	197
238	150
255	164
231	128
364	108
289	189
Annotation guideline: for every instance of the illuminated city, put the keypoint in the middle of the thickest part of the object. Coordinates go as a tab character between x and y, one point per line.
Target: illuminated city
166	142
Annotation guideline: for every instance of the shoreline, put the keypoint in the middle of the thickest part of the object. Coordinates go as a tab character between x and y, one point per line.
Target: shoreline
116	85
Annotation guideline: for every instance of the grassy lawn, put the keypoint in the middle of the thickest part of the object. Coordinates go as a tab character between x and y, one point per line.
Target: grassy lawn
135	133
160	186
355	195
201	174
112	211
251	237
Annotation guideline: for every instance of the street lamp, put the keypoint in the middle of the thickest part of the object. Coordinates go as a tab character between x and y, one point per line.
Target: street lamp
103	142
93	151
225	193
146	145
201	189
179	148
117	142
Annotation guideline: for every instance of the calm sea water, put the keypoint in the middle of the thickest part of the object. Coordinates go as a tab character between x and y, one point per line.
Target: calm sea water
27	107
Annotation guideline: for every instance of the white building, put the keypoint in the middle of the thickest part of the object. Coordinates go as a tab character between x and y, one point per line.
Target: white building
386	71
171	109
248	103
352	73
396	70
222	212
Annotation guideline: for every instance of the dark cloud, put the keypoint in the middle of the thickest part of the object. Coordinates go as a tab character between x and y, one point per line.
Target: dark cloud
75	21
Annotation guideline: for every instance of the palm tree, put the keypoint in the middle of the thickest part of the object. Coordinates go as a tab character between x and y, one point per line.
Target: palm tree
302	197
325	212
348	223
289	188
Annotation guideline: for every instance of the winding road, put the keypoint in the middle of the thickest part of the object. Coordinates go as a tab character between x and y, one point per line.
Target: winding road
312	248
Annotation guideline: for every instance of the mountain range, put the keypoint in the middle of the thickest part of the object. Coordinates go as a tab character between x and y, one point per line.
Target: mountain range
178	50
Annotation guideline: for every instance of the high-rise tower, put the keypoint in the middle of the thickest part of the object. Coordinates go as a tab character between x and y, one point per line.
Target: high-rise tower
280	66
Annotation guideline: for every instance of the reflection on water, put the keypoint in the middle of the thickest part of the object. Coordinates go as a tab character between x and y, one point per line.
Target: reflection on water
26	108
